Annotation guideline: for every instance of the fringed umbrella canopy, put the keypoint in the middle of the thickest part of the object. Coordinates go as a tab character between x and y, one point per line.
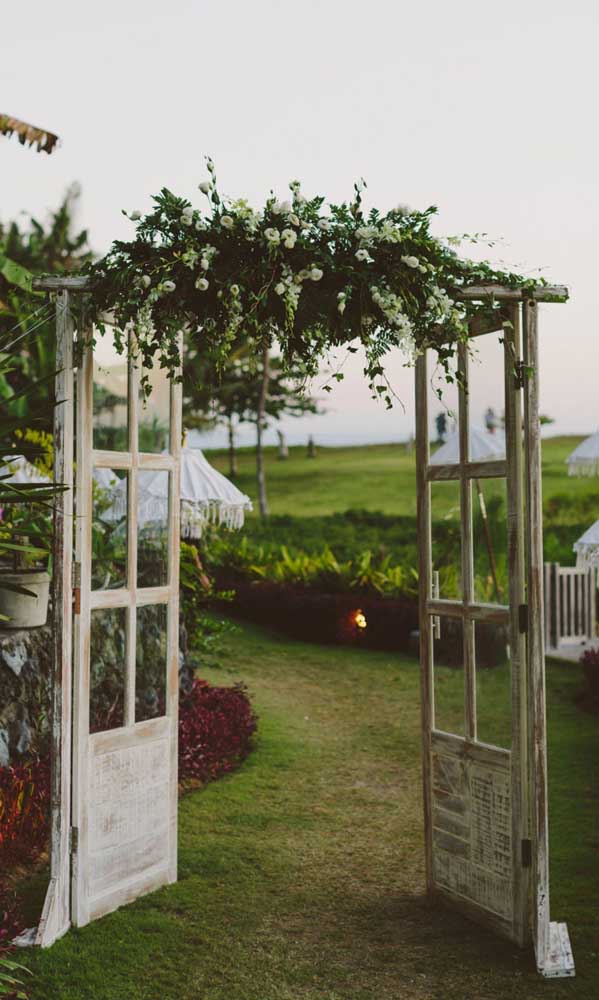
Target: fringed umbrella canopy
484	447
206	496
584	460
22	471
587	548
28	135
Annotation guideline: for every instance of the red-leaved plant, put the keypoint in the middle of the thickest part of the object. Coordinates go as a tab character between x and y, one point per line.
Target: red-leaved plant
216	729
24	810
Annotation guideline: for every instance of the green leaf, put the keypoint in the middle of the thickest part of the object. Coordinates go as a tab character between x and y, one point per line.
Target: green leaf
17	275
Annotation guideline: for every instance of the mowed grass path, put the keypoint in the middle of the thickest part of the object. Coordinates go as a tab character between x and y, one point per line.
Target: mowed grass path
378	477
301	875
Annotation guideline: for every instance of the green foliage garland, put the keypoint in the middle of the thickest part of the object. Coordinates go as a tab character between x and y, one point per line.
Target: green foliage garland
292	274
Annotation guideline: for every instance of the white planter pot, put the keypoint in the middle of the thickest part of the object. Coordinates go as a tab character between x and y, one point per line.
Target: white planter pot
22	610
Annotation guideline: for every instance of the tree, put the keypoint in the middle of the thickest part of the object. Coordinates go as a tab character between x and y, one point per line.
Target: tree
246	393
26	325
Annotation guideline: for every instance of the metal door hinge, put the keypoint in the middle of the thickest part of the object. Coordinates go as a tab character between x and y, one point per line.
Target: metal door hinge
77	588
73	840
523	618
520	374
526	853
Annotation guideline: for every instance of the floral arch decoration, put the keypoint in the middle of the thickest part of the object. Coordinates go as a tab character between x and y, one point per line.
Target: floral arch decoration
293	274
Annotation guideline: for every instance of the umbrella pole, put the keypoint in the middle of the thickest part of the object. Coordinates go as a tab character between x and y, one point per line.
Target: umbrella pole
488	540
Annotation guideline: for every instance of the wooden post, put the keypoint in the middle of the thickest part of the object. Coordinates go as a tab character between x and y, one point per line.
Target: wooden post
424	593
551	941
55	919
515	512
468	646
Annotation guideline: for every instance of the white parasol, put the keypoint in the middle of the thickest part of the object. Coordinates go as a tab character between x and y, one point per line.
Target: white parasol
106	479
206	495
22	471
584	460
587	548
484	447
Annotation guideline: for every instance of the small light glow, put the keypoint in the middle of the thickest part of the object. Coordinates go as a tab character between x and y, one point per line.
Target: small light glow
360	619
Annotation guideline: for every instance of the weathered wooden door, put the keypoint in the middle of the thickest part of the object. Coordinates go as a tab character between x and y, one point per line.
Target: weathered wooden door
125	634
485	773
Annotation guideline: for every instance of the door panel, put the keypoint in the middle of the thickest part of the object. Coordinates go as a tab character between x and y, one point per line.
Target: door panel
475	800
126	637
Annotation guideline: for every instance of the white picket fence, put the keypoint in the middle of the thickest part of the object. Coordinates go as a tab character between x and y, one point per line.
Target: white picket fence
570	605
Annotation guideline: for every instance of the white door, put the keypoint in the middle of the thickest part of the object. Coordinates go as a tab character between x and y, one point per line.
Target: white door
485	799
124	828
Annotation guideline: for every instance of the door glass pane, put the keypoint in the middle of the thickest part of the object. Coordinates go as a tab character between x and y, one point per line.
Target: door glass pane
109	528
493	685
152	528
108	659
110	396
446	533
154	413
490	541
442	407
150	662
486	398
448	675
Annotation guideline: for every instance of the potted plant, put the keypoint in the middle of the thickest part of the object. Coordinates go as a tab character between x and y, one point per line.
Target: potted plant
25	587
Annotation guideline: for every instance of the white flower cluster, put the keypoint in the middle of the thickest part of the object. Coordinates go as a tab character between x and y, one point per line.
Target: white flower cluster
342	301
439	303
289	288
288	237
391	307
187	215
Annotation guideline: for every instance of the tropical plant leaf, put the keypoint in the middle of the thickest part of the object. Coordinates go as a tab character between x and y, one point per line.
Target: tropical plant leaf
16	274
28	135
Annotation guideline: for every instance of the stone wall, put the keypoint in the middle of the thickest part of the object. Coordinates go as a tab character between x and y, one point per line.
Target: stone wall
25	690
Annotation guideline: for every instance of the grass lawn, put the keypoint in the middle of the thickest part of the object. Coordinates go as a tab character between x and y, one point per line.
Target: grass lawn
301	875
377	477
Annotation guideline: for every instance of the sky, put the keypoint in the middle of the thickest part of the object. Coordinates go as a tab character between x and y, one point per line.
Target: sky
487	111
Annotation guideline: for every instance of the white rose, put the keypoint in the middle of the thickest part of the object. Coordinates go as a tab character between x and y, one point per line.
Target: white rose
410	260
145	280
362	255
226	221
135	216
422	268
186	220
235	290
303	275
204	187
316	274
294	220
202	284
280	289
204	263
324	224
272	235
169	286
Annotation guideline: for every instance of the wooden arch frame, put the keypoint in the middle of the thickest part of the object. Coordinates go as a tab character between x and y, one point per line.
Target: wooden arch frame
505	304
